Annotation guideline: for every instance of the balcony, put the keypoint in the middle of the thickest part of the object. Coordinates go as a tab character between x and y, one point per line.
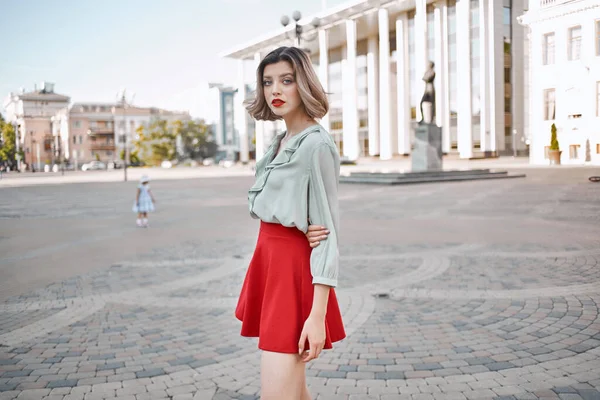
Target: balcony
102	130
552	3
102	146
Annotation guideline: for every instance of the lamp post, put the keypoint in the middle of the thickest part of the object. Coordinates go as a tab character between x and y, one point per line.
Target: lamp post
299	29
17	145
123	136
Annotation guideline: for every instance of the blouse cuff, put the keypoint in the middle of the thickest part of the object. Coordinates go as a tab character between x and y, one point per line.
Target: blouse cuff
324	281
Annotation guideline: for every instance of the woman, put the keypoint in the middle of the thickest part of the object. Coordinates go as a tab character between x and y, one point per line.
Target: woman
287	299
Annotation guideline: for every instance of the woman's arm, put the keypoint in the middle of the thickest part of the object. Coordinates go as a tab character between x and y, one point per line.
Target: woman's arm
323	212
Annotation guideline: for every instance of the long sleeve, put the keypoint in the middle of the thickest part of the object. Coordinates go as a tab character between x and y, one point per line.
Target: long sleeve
323	210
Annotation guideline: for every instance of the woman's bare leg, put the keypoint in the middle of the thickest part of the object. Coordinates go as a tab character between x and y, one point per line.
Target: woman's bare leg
305	392
282	377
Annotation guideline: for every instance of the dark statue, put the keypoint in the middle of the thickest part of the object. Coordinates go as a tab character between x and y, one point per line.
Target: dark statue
428	100
427	153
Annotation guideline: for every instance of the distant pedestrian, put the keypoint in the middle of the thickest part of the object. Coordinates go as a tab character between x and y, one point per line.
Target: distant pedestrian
288	299
144	202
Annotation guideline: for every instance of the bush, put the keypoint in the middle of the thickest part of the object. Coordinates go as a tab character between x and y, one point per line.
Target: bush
553	140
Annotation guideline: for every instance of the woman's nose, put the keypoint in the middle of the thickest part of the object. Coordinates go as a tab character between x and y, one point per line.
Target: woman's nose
275	89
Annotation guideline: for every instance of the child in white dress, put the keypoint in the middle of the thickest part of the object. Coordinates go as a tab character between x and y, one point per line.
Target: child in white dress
144	202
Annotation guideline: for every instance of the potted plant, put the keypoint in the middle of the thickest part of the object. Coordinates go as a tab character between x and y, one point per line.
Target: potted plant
554	152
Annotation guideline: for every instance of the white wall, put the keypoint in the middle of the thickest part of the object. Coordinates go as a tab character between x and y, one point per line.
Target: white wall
575	85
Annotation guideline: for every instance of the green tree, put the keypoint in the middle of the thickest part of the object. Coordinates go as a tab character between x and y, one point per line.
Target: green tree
156	142
8	138
195	138
553	139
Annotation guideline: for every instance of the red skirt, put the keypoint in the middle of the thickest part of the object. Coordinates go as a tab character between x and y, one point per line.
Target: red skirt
277	293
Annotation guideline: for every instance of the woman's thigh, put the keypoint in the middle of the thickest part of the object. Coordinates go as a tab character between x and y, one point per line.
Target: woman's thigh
282	376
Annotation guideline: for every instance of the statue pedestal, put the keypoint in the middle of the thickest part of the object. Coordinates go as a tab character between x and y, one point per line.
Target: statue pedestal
427	154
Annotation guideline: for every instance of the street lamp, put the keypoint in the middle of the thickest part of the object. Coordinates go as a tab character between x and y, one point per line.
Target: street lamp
299	29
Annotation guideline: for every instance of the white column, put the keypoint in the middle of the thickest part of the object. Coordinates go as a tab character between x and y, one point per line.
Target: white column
324	70
240	114
463	42
403	84
385	106
439	63
445	69
518	74
420	49
496	74
540	132
260	125
350	111
483	77
373	94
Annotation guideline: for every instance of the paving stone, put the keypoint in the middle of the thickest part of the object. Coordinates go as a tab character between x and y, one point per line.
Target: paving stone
450	318
62	383
150	373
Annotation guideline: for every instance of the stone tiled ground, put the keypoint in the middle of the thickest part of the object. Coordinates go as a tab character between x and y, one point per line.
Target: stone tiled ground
449	291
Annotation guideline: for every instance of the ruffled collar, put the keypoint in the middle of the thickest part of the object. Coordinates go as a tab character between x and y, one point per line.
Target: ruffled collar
284	156
290	148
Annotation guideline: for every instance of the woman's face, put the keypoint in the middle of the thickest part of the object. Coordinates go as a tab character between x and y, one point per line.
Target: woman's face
280	88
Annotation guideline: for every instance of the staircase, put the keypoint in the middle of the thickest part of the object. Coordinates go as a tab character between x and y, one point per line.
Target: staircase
398	178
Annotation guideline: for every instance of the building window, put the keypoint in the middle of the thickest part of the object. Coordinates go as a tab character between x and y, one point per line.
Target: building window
549	104
412	69
574	43
548	50
80	139
430	34
77	124
598	37
598	99
598	148
574	151
74	139
452	74
475	37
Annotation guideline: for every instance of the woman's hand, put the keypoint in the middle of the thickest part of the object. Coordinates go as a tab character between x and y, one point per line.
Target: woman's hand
315	234
314	331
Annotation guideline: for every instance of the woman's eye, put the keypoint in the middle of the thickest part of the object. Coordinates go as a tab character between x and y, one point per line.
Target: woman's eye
287	81
266	83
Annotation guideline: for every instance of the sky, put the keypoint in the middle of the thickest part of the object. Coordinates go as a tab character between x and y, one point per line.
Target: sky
161	52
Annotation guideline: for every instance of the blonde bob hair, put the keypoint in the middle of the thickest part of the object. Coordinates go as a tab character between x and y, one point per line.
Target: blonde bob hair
314	98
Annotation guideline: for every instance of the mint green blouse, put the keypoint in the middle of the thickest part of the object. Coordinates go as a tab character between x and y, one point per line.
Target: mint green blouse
298	187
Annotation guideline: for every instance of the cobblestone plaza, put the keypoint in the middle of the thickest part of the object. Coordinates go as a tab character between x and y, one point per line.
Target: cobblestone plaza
472	290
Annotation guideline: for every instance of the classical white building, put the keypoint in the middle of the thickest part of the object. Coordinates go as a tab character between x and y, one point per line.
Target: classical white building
371	56
565	88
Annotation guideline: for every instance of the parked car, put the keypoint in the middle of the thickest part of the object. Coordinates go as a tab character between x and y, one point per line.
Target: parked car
345	160
115	164
166	164
226	163
93	166
208	162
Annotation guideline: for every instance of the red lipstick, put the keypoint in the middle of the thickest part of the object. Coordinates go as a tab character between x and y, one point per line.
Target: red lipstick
277	103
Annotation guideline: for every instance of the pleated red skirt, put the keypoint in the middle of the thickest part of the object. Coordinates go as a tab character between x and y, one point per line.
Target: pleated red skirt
277	294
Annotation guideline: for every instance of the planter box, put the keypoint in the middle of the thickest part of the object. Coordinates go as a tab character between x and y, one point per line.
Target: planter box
554	156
